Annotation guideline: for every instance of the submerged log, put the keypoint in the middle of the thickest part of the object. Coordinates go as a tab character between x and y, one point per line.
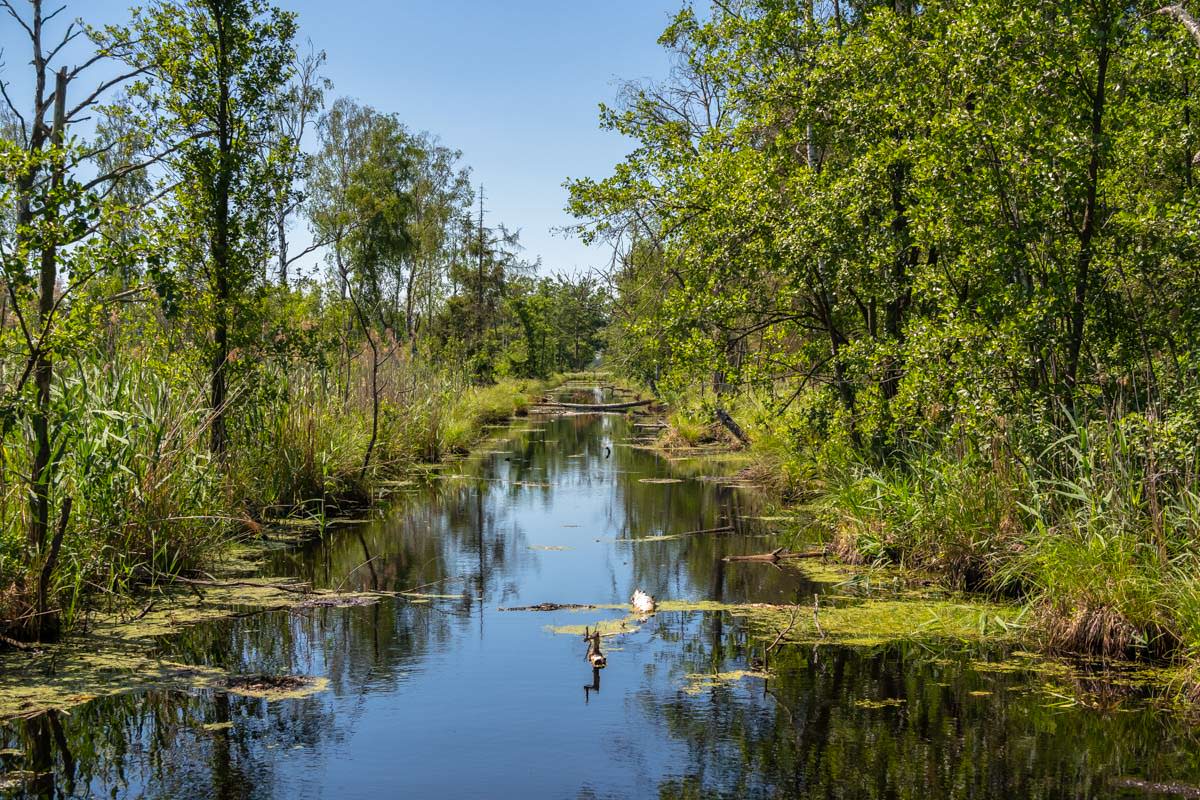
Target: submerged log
552	607
776	556
601	406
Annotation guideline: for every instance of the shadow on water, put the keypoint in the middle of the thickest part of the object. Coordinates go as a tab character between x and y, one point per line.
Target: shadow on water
439	693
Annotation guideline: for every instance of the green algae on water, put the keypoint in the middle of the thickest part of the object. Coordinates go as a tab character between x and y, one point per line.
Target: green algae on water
844	621
700	682
890	702
115	656
277	687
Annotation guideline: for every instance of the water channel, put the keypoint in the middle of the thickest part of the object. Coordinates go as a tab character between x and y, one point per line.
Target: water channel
450	696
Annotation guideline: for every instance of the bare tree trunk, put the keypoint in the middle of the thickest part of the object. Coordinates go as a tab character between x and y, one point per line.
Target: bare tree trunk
45	624
43	372
282	245
219	438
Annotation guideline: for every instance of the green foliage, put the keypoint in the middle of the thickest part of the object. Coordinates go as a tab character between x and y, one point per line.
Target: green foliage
161	394
936	254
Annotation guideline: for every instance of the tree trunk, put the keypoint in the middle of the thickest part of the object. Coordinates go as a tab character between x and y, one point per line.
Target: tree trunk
219	438
42	473
281	244
1087	231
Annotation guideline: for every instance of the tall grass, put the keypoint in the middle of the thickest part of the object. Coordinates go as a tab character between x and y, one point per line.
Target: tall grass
1099	531
148	500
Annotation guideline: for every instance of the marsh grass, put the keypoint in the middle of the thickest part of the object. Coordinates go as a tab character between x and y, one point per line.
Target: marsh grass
149	502
1096	530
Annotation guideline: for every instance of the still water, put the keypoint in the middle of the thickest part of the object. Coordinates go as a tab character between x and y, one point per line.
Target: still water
450	696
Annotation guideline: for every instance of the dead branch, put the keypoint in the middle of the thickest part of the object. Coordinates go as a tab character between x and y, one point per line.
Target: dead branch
777	555
553	607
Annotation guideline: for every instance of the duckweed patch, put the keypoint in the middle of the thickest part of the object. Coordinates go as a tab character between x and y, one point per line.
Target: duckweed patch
699	683
607	627
277	687
114	655
843	620
870	622
890	702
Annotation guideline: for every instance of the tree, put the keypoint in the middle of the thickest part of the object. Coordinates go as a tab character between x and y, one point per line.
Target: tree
218	69
360	202
301	102
57	216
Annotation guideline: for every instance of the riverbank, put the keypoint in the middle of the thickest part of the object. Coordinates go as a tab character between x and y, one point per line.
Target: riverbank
174	511
1102	559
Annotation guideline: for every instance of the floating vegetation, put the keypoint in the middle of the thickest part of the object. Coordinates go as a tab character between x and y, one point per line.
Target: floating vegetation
338	601
660	480
15	779
217	726
699	683
607	627
277	687
890	702
531	484
842	620
115	656
550	547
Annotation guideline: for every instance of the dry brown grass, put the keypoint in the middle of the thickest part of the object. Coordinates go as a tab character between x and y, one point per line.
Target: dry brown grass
1089	629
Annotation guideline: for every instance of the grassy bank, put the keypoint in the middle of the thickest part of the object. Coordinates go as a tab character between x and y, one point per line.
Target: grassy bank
1095	530
148	501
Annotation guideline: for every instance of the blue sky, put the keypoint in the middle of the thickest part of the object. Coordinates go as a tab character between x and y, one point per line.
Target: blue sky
514	85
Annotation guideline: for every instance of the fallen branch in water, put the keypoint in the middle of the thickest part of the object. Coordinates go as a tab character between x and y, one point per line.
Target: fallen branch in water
553	607
17	644
351	572
722	529
791	624
600	406
777	555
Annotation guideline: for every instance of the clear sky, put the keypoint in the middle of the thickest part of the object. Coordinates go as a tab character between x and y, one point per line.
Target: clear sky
514	84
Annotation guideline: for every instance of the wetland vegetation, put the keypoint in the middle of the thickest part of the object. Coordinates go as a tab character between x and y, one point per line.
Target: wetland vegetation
888	396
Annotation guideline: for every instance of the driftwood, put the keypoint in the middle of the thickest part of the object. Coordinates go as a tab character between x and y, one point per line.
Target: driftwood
552	607
721	529
601	406
776	556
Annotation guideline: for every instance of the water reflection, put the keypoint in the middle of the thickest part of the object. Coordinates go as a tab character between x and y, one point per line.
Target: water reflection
441	693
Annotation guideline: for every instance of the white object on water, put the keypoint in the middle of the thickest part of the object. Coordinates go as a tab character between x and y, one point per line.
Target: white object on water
642	602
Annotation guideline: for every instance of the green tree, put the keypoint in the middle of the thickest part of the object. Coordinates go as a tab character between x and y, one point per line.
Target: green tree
218	69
